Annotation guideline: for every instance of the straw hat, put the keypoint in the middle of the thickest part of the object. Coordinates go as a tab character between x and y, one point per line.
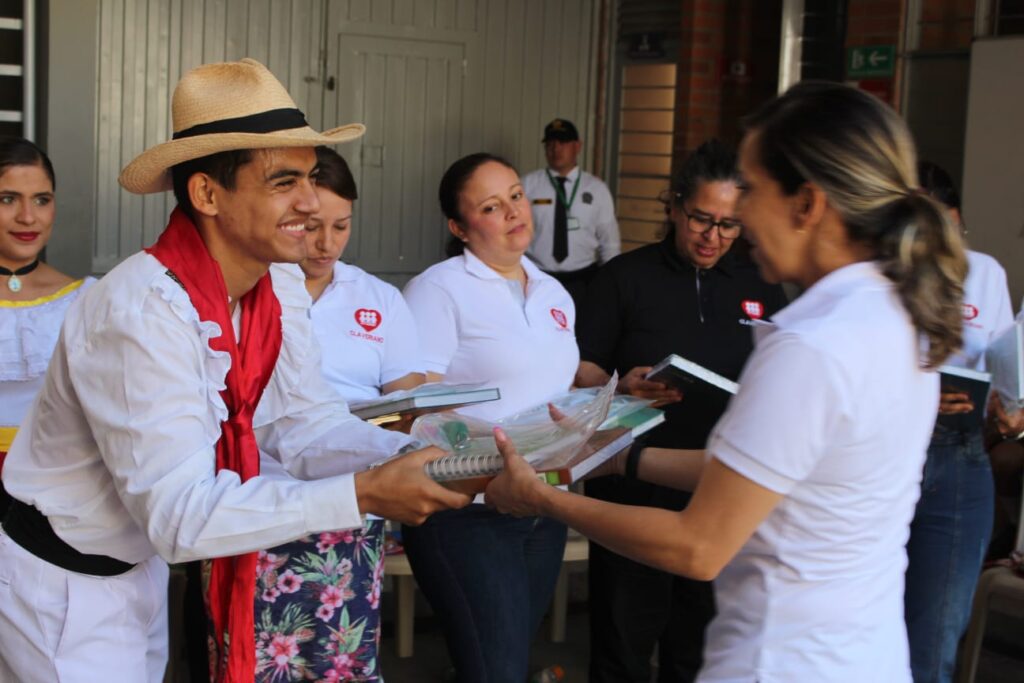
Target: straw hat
219	107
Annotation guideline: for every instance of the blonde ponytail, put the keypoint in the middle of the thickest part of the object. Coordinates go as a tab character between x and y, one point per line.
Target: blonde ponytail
925	260
860	153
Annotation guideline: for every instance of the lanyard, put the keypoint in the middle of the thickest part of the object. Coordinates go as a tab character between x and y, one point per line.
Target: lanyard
561	193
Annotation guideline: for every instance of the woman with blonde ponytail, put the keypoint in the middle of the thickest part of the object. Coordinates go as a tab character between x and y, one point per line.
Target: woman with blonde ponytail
804	494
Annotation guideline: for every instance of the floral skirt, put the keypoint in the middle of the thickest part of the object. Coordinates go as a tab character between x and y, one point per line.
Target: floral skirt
318	607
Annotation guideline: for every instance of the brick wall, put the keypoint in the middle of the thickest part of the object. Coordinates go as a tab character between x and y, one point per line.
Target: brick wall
712	98
699	86
947	24
873	22
728	65
877	22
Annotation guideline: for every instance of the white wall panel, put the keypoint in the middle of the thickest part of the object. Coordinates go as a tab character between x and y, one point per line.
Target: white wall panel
525	62
143	48
993	203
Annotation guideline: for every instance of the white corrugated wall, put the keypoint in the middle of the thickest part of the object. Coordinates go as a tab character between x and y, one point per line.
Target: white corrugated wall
461	76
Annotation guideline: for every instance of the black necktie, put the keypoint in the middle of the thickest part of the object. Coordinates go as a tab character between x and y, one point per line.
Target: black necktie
561	248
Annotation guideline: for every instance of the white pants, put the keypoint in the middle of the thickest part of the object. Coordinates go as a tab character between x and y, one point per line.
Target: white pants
61	626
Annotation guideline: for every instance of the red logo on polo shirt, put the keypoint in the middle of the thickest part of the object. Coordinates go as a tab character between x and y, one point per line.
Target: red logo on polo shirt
560	318
368	319
753	309
970	312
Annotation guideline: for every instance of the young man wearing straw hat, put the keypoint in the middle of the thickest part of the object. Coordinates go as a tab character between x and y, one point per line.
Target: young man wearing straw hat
145	443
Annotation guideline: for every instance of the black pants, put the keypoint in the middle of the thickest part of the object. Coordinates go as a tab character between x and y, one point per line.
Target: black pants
633	606
5	500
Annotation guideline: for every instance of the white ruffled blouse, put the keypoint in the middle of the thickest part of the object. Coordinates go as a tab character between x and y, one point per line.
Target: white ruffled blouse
28	335
123	463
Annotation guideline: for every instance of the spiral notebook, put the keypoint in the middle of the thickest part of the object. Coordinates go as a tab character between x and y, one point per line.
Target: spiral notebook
471	473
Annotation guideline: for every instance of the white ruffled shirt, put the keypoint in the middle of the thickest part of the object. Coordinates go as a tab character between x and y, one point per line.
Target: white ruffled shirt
28	335
123	461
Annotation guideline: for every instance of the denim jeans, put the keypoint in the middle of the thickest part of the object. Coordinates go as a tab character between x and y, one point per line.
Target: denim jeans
489	578
948	538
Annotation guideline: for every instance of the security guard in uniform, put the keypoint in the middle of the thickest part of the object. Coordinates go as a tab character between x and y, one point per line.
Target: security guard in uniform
689	295
573	216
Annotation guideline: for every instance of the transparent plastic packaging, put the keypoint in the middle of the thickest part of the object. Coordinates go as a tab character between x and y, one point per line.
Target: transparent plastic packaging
540	434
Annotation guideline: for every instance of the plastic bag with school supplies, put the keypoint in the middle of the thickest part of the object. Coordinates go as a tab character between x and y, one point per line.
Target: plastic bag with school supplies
535	433
549	440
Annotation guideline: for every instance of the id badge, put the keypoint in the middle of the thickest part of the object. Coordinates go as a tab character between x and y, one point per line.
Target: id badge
573	223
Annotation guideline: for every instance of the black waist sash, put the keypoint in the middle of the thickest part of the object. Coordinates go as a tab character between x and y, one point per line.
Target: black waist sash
30	529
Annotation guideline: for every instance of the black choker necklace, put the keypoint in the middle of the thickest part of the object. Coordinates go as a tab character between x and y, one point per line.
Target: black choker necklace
14	284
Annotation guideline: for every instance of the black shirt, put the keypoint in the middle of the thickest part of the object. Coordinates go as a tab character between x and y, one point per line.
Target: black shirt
648	303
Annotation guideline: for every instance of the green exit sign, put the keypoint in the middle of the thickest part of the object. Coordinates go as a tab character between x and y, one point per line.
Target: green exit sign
870	61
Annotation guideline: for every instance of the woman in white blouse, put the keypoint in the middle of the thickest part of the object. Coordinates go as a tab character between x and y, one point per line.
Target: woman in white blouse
312	589
488	315
33	295
804	494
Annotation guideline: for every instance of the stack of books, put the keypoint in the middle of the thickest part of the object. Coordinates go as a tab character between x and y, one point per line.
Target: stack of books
392	407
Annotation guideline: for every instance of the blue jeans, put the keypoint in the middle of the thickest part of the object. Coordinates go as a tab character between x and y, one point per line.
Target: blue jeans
948	538
489	578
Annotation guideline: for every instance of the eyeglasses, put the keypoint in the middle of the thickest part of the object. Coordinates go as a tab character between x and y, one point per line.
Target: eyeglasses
727	227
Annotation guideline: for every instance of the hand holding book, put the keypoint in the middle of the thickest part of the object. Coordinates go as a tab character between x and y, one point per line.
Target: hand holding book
1009	423
399	489
635	383
516	490
562	441
955	402
972	388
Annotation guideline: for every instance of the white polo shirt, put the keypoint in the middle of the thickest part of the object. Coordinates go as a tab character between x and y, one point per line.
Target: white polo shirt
367	335
593	235
474	330
987	309
834	413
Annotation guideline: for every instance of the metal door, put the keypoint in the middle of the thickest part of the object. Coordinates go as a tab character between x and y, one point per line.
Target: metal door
408	93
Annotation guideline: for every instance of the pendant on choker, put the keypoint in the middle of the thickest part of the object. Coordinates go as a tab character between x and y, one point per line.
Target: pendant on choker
14	281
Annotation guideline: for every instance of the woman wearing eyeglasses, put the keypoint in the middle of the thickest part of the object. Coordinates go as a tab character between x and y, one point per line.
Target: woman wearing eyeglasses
691	295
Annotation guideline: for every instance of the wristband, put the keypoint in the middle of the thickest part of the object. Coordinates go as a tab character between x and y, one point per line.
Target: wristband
633	459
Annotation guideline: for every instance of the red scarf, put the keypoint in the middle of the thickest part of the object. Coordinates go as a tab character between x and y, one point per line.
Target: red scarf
232	582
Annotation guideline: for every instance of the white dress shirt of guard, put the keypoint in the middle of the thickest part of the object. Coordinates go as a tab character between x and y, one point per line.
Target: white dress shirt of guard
596	240
473	329
367	334
834	413
122	461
